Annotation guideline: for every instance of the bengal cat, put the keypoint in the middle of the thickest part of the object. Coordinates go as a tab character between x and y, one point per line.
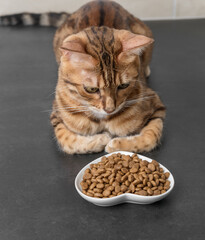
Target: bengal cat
102	99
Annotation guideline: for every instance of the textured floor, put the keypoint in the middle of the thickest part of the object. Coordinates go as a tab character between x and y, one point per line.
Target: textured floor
37	195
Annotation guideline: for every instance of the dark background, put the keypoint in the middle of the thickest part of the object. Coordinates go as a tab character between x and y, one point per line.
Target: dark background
38	199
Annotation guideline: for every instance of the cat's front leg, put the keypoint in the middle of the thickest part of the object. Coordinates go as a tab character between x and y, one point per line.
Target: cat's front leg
148	139
71	142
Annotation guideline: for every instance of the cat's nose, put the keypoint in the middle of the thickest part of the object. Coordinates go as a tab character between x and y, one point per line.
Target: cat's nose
109	105
108	110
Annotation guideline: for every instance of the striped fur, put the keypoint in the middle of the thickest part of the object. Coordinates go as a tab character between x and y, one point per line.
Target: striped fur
32	19
103	47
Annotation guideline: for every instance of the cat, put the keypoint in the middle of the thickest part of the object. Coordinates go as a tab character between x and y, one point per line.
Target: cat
102	100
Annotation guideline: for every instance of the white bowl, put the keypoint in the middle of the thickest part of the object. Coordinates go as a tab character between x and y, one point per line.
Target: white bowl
125	197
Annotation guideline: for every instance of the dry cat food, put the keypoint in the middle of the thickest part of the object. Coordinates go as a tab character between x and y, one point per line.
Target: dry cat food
118	174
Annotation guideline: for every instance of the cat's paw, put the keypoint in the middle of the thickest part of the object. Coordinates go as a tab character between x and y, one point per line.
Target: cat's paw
121	144
114	145
99	142
104	138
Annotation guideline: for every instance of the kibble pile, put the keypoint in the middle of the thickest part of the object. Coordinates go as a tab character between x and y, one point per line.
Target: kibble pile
118	174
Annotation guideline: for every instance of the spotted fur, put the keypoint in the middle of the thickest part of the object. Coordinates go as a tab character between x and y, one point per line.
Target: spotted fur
95	47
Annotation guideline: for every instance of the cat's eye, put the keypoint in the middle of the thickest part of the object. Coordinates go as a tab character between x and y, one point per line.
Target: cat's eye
91	89
123	86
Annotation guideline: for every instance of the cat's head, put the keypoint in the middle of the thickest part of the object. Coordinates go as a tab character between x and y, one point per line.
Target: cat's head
101	68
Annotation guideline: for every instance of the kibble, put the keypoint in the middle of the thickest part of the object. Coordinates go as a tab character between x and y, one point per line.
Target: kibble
118	174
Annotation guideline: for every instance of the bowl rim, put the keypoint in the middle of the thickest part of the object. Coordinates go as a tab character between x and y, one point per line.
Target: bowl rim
172	183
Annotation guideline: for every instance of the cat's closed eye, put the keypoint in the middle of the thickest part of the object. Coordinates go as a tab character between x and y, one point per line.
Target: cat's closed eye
91	89
123	86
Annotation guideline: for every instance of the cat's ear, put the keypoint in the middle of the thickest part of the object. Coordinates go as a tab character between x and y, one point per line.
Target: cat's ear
73	50
132	44
74	45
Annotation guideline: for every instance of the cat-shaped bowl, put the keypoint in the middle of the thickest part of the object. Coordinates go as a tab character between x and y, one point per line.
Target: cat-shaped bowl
125	197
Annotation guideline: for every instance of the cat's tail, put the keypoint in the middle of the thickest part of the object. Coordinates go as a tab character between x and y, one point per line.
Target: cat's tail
29	19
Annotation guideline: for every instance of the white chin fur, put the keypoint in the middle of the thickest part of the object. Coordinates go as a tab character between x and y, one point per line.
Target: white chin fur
100	113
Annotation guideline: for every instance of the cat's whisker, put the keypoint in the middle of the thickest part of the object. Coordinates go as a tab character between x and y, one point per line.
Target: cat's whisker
72	110
83	108
130	102
143	94
51	110
46	111
51	94
67	107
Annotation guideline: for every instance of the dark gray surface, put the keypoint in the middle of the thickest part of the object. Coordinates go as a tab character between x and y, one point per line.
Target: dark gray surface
37	195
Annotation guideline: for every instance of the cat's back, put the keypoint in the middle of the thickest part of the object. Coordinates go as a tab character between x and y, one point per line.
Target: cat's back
104	13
